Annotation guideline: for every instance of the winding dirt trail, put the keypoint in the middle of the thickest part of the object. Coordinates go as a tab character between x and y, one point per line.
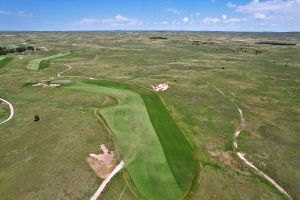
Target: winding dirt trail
241	155
69	68
11	108
105	181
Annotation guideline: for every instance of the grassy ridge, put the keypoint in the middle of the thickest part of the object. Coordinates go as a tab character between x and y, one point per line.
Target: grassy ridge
4	61
157	156
40	63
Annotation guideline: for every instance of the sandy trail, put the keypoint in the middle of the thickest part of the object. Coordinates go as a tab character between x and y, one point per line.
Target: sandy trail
69	68
240	155
105	181
11	108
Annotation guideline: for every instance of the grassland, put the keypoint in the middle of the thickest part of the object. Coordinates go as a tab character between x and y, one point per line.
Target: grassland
46	159
41	63
4	112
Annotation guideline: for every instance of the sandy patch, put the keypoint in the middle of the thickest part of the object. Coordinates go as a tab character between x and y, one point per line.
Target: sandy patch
160	87
226	158
103	163
45	85
44	48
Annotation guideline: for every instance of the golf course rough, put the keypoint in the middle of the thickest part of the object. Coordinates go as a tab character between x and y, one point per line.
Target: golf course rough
35	64
158	157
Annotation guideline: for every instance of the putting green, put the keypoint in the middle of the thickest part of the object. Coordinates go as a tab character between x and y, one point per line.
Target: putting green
35	64
158	158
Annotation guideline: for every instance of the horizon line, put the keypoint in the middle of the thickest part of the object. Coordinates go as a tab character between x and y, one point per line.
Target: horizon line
147	30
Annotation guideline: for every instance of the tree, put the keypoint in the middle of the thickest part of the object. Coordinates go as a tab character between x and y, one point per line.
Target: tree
20	49
30	48
36	118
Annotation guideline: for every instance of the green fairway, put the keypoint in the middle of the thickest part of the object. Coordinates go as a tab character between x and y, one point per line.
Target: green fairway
158	157
4	61
39	63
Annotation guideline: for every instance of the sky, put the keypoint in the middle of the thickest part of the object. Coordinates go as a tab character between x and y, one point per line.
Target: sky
193	15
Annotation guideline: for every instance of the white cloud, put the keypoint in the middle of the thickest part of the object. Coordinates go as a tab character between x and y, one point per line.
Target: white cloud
256	6
208	21
260	16
232	20
165	22
236	20
224	17
197	14
173	10
185	20
87	22
21	13
118	20
231	5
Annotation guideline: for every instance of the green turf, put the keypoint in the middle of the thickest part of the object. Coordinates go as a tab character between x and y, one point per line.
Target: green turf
44	64
4	61
169	160
36	64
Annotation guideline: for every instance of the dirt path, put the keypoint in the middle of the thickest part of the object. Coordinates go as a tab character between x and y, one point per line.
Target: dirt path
11	108
105	181
69	68
241	155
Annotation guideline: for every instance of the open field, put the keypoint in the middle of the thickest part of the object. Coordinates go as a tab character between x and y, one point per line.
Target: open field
47	159
41	63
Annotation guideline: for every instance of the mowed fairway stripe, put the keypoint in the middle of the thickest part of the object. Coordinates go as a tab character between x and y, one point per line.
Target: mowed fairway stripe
35	64
153	172
4	61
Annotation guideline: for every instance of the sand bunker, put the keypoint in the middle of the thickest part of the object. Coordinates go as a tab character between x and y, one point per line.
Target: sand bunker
103	163
160	87
45	85
44	48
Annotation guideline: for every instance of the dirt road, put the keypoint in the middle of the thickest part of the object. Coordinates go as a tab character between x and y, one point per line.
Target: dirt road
69	68
11	109
105	181
240	155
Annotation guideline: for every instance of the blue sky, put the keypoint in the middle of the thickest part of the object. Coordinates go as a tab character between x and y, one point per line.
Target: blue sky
214	15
